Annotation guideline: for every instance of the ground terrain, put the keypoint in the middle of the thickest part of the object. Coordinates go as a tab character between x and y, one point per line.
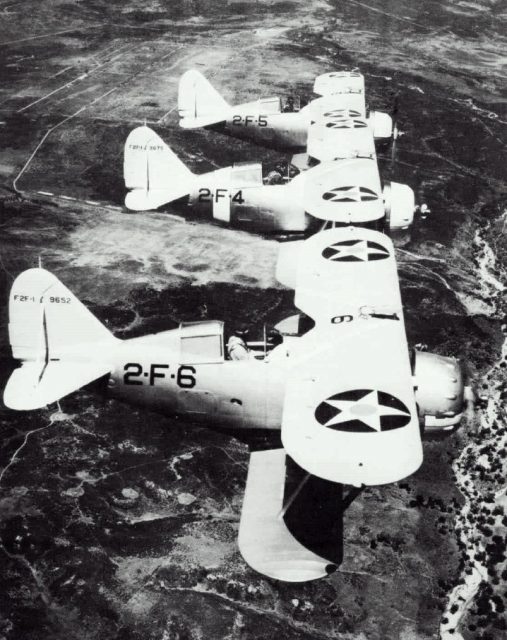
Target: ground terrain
116	523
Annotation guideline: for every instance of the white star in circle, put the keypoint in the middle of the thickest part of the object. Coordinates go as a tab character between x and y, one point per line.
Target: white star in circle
367	409
359	250
343	122
352	193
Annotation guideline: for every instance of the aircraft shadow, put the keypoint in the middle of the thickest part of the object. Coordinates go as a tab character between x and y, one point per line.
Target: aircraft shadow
315	513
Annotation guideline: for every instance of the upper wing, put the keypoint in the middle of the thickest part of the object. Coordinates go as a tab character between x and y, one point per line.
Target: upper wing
339	272
344	191
349	412
344	82
338	128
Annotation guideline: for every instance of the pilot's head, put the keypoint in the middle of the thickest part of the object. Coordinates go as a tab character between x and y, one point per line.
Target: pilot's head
241	331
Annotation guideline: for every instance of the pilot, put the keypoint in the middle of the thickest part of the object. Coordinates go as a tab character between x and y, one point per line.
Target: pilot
237	348
274	338
275	176
289	105
293	171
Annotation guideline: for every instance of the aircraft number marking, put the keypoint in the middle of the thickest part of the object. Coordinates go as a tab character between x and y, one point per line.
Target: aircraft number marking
238	197
146	147
239	121
52	299
340	319
205	195
185	376
59	300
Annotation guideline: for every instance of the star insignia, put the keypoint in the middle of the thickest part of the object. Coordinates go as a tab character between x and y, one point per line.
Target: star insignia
350	194
362	411
346	123
355	251
342	113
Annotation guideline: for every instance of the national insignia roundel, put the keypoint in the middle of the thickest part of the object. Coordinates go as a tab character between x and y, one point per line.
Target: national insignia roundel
350	194
346	123
355	251
362	411
342	113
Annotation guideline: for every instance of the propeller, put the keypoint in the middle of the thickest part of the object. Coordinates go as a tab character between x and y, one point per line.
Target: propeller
396	132
421	210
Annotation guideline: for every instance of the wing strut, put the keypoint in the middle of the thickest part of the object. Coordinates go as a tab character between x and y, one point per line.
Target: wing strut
46	342
293	496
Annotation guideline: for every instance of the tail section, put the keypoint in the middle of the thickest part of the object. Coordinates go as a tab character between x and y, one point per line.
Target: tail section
154	173
199	104
60	344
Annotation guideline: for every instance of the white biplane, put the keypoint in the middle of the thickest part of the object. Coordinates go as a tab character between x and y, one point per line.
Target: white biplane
337	119
342	191
348	396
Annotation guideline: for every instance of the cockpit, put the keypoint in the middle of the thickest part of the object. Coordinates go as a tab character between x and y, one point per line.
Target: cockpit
288	104
274	343
279	173
201	342
246	174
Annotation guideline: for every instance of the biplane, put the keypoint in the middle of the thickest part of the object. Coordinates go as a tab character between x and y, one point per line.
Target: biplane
347	395
337	119
341	191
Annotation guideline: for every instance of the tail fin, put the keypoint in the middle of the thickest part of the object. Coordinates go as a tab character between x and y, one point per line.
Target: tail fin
55	337
199	104
154	173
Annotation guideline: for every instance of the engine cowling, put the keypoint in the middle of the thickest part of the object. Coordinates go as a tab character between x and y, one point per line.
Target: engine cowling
381	124
439	390
399	205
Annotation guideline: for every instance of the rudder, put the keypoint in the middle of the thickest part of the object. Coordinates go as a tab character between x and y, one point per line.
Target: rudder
152	171
199	103
54	336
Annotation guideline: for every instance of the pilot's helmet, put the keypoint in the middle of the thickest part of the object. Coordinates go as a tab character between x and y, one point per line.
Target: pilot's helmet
241	332
274	337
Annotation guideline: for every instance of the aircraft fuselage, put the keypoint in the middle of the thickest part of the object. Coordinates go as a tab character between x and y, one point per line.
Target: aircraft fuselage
237	196
233	394
278	131
161	372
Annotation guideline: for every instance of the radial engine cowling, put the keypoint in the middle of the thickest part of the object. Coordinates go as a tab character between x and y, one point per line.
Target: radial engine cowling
439	390
381	124
399	204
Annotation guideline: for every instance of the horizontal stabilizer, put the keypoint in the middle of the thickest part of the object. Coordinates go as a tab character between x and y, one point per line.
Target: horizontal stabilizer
37	384
264	539
203	121
142	200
